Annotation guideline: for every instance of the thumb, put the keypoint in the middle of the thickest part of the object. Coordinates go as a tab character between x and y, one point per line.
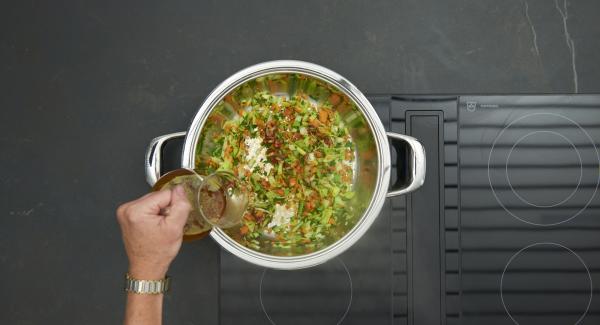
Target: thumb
180	207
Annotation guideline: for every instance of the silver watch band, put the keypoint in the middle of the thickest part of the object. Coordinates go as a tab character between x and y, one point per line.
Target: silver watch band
149	287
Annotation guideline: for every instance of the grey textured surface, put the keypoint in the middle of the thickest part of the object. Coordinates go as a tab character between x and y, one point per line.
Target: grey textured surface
85	86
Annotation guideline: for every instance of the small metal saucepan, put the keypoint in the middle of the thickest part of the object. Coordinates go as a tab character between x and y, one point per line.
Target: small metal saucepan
372	164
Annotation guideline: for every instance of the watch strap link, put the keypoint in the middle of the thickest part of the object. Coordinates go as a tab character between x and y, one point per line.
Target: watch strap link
151	287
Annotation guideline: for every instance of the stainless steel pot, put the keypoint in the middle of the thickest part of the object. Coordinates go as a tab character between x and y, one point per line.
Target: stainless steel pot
372	174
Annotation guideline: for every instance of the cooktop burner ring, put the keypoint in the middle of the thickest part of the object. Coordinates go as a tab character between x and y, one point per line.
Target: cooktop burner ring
524	200
496	195
343	316
514	256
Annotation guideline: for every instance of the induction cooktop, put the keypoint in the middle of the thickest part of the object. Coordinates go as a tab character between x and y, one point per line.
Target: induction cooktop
505	230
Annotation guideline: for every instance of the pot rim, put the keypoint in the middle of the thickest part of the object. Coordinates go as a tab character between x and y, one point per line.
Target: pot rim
377	129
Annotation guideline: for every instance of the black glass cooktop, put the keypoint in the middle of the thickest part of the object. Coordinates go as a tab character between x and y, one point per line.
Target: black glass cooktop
505	230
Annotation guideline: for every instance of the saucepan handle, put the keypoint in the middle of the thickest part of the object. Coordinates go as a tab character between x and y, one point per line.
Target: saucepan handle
154	155
413	164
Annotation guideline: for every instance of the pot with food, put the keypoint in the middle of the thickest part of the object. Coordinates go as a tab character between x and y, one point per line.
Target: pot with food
312	152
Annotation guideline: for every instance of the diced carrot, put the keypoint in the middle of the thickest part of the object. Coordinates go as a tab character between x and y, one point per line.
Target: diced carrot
229	99
244	230
322	116
334	99
331	221
309	206
314	122
292	182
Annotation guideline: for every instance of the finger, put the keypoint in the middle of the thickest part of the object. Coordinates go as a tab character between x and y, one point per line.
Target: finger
180	208
146	195
121	211
154	202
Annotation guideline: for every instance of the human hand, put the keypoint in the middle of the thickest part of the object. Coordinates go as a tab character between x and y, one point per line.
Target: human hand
152	238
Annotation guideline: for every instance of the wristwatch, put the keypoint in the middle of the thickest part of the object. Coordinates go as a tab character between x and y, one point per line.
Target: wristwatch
147	287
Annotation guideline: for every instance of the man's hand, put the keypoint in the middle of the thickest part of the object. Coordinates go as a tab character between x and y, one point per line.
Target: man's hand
152	237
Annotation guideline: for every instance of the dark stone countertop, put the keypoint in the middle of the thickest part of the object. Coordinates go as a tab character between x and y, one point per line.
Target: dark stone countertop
86	85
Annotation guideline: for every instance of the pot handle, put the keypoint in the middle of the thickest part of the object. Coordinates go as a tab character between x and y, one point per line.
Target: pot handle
154	156
416	164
